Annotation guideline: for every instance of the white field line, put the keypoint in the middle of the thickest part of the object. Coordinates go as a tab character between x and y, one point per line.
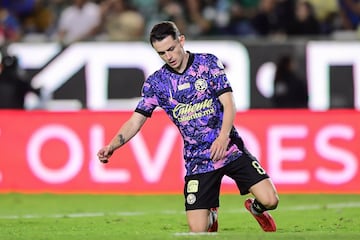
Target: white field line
167	212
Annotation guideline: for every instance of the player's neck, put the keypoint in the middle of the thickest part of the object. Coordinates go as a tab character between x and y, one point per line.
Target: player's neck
184	63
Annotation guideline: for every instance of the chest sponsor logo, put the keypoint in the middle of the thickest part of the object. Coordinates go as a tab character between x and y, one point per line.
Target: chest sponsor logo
185	112
183	86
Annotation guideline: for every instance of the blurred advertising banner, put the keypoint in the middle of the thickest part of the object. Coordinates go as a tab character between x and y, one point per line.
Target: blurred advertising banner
303	151
109	75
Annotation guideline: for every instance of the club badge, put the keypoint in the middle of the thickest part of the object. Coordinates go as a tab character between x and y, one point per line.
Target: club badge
201	85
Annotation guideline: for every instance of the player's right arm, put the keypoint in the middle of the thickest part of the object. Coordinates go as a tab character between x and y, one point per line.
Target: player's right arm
125	133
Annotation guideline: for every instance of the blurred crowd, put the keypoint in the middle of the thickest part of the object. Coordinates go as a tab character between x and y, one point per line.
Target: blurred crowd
68	21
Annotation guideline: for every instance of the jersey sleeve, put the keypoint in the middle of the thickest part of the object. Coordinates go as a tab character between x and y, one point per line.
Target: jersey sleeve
221	83
148	101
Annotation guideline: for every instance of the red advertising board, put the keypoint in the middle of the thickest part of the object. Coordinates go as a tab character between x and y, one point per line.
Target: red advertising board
303	151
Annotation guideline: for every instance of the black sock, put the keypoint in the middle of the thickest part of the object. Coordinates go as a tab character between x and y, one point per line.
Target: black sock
258	207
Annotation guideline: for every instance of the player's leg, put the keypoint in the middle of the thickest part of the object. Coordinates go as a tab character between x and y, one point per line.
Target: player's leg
265	194
202	220
198	220
266	198
201	193
250	177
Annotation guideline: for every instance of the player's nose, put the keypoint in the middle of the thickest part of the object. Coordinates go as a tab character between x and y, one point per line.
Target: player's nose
168	55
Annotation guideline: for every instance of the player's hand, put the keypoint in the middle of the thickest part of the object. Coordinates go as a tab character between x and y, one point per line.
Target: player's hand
105	153
218	148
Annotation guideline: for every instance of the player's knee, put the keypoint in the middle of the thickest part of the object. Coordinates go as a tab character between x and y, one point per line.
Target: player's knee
198	220
197	228
268	201
271	202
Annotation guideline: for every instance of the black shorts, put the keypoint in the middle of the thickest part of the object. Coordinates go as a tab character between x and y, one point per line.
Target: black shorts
202	191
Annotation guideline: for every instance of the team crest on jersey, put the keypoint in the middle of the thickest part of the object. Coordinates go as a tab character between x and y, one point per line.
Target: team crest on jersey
201	85
191	198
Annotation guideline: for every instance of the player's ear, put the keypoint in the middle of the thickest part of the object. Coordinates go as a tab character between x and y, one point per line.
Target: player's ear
182	39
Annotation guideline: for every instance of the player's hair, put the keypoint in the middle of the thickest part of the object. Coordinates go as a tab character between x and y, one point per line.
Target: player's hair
162	30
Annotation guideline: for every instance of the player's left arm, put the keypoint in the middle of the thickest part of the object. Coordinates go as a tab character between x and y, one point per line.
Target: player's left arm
219	146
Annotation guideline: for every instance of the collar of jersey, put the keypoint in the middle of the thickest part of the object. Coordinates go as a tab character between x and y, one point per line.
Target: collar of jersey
190	61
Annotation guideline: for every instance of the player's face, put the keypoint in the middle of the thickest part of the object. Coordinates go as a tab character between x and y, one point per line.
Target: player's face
172	52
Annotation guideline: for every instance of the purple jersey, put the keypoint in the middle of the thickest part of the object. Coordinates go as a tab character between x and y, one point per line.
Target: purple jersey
191	101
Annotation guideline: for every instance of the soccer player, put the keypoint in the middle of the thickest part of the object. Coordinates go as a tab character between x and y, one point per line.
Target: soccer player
195	93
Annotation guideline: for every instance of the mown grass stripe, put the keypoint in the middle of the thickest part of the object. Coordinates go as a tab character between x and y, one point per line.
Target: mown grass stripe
170	212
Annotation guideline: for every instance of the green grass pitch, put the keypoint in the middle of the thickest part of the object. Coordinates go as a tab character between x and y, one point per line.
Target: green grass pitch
85	217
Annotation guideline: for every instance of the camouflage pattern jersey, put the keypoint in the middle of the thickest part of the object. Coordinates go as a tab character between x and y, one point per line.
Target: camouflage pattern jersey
191	101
